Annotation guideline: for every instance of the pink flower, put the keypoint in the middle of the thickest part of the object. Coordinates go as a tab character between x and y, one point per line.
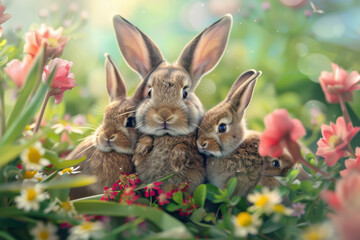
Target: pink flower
345	202
298	209
3	17
183	187
109	193
18	70
189	206
129	196
151	187
307	13
339	83
336	138
63	78
266	6
352	164
53	40
163	197
293	3
279	129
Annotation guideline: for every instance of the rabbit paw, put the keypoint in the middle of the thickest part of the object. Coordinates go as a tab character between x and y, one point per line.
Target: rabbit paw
179	157
143	147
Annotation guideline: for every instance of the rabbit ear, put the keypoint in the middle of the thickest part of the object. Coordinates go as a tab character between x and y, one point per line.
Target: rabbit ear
203	53
114	81
139	51
241	92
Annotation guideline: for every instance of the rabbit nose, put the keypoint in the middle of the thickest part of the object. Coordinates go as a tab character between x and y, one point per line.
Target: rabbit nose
164	115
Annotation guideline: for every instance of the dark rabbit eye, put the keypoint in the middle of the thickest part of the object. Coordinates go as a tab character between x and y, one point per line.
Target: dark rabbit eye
276	164
222	127
185	93
130	122
149	93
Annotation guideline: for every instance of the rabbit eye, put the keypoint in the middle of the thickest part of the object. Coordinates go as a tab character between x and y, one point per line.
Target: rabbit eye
222	127
149	93
276	164
185	93
130	122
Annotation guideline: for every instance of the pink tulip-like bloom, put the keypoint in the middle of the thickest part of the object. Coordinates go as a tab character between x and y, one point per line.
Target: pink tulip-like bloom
335	141
54	41
3	17
345	202
339	84
280	130
18	70
352	164
293	3
63	78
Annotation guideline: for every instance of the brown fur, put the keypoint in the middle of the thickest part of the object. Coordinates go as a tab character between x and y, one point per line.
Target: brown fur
168	118
109	150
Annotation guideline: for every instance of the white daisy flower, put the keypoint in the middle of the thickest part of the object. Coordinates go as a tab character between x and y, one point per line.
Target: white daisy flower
30	197
65	208
245	224
280	210
86	230
33	157
60	127
33	176
44	232
70	170
323	231
264	201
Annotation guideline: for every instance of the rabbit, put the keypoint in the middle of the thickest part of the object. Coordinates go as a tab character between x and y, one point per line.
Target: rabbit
222	138
110	149
168	118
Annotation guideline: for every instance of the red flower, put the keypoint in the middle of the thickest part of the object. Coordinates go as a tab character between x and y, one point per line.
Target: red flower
109	193
189	206
336	138
151	187
163	197
128	196
279	129
18	70
339	83
352	164
53	40
63	78
183	187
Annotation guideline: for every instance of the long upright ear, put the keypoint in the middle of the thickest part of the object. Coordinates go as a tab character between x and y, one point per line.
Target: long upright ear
139	51
241	92
203	53
114	81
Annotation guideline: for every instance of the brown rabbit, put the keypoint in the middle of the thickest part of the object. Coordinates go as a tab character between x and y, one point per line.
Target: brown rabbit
110	149
168	118
221	138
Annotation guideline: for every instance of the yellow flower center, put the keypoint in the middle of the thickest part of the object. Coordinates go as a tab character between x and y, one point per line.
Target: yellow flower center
313	236
65	170
39	179
66	206
334	140
244	219
44	235
34	155
29	174
261	201
31	194
28	127
53	42
279	208
87	226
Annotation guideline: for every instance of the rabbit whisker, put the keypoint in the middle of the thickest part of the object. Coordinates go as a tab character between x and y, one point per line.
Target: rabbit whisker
197	127
124	113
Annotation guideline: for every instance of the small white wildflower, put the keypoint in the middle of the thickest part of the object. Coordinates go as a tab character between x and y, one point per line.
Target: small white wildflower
30	197
246	223
66	208
264	201
60	127
33	157
44	232
86	230
70	170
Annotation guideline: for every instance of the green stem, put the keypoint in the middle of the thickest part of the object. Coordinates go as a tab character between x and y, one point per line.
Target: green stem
124	227
2	109
43	106
344	110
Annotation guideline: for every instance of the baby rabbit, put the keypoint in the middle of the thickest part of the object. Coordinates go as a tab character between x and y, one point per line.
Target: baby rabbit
169	116
109	150
221	138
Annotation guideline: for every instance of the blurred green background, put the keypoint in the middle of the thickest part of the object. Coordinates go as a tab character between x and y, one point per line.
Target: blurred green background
291	46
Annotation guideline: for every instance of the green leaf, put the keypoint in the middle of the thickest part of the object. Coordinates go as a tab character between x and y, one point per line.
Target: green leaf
292	175
235	200
211	192
269	227
70	182
32	80
10	152
160	218
200	195
198	215
20	122
6	236
59	163
172	207
178	198
231	185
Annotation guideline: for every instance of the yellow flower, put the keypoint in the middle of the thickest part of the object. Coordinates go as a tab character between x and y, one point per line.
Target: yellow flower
44	232
265	201
33	157
30	197
245	223
86	230
70	170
